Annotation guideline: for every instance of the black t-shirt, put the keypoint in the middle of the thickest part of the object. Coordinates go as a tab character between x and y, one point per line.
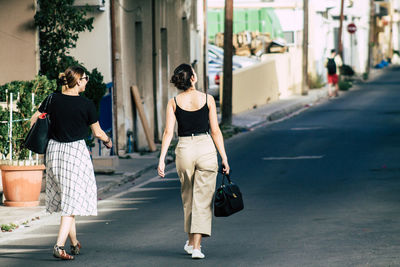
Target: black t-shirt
70	116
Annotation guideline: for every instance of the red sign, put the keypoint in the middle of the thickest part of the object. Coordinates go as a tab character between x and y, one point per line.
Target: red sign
351	28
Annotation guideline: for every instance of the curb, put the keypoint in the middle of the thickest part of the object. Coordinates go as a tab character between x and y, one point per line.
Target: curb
295	108
277	115
32	217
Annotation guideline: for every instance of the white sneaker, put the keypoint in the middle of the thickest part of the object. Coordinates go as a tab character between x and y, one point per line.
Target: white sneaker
188	248
196	254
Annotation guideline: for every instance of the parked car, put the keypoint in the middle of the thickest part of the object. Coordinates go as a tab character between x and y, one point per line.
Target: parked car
214	75
215	67
216	55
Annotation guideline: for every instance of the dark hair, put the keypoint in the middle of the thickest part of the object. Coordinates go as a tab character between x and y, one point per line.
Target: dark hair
333	50
70	77
182	75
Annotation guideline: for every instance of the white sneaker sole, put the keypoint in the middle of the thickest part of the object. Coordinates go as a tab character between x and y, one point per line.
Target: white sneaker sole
197	255
188	251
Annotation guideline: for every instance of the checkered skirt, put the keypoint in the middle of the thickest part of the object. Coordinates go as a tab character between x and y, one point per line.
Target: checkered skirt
70	182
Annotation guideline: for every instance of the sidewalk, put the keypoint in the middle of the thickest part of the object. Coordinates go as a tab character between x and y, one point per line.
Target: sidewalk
131	168
128	170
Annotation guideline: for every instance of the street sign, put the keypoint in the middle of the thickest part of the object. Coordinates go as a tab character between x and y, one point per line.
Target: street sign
351	28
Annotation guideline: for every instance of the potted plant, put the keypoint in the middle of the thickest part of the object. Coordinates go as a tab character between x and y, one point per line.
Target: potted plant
21	171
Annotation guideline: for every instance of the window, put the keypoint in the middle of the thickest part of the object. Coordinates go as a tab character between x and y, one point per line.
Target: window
289	37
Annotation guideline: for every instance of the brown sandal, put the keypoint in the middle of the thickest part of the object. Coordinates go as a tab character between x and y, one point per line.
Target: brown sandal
75	250
59	252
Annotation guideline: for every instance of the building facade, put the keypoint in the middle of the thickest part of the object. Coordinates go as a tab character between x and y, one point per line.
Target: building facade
19	49
139	43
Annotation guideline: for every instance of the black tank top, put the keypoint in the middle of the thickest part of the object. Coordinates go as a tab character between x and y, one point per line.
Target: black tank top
192	122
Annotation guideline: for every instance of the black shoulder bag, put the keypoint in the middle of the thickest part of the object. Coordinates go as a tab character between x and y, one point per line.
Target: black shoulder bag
38	136
228	198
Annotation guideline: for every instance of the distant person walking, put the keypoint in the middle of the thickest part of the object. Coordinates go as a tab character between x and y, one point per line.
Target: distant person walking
70	182
332	64
196	156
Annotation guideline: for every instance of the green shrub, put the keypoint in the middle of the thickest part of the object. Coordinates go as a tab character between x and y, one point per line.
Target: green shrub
41	87
315	81
8	227
344	85
346	70
230	130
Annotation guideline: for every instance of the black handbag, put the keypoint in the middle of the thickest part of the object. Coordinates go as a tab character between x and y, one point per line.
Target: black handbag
228	198
38	136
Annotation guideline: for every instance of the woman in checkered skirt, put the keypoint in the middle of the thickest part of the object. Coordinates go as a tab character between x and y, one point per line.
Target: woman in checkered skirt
70	182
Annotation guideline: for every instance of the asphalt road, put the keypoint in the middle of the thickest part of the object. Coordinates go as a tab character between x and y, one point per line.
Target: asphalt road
320	189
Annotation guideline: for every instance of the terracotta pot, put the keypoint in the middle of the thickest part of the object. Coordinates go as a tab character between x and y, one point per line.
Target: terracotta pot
22	184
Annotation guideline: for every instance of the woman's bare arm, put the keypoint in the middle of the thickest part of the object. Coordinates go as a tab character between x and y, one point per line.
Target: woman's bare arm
216	133
167	136
34	117
100	134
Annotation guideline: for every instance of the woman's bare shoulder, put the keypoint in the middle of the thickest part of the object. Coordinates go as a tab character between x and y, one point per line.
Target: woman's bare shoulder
210	99
171	103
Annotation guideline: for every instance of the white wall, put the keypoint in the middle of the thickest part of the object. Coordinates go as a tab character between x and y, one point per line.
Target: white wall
322	31
355	45
93	48
19	50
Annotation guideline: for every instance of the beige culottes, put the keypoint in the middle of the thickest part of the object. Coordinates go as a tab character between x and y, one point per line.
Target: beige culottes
197	167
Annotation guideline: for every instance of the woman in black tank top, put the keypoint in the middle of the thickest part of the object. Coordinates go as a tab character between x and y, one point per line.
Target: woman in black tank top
196	156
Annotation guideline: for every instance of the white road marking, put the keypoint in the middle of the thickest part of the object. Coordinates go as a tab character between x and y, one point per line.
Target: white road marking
169	179
92	221
293	158
152	188
305	128
22	250
114	209
122	201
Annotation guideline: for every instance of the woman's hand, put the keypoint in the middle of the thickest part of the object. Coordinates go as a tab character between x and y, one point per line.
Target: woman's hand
35	117
108	144
225	166
99	133
161	168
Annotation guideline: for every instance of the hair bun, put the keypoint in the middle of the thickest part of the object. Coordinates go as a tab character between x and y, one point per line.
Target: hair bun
182	77
180	81
62	79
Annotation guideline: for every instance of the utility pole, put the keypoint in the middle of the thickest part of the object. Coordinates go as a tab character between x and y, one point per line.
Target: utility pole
340	45
304	87
390	52
371	34
227	71
205	49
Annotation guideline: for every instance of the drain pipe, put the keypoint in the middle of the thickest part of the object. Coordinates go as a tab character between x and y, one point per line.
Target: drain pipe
154	66
113	66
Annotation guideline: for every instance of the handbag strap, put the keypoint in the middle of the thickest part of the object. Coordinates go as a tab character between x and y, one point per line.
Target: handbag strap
47	102
225	175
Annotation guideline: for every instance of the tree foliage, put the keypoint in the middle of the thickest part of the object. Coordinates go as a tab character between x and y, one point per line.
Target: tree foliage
59	24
